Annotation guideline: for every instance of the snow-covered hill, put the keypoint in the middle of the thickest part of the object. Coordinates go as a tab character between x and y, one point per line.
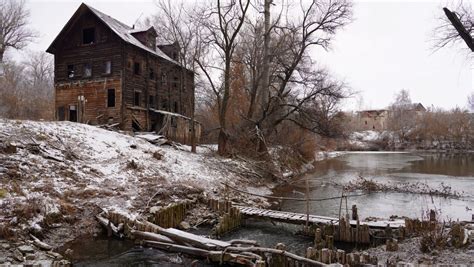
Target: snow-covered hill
51	167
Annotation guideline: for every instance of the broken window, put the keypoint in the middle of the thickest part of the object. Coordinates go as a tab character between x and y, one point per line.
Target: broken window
111	98
108	67
70	71
136	68
136	98
88	36
152	74
151	101
87	70
164	105
175	84
176	107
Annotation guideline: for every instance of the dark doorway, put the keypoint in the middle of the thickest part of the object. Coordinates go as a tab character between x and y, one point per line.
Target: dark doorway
73	113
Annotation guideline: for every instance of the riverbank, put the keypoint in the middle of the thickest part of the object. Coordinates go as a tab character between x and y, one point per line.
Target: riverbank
390	141
56	176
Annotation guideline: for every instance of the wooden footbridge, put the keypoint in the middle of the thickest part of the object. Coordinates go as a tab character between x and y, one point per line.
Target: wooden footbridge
300	218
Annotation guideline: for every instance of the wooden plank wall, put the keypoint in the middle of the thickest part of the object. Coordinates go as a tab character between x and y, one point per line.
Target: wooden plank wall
95	94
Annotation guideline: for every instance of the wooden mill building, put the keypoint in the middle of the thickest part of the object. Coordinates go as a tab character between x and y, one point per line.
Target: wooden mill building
106	72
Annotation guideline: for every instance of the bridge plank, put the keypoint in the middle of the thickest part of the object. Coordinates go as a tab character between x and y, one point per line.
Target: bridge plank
300	218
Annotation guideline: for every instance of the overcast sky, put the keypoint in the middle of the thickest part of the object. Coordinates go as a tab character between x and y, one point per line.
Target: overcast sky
387	48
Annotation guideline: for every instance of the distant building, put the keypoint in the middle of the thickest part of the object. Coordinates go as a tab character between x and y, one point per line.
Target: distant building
378	119
418	108
108	72
375	120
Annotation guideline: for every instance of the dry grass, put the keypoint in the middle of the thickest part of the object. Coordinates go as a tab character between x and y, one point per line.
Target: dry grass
131	164
3	193
6	231
28	210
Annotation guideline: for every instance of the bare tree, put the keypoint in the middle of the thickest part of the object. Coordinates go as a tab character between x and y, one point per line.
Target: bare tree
14	31
27	88
223	23
456	26
402	118
227	36
470	102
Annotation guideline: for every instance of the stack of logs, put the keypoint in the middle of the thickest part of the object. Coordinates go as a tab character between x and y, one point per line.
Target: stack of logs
230	217
240	252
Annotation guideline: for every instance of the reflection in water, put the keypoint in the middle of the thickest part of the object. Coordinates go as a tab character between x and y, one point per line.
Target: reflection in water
268	234
456	171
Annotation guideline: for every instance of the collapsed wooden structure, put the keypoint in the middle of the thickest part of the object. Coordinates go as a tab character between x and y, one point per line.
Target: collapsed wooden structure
241	252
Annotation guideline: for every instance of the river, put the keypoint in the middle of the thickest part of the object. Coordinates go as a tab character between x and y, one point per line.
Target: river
455	170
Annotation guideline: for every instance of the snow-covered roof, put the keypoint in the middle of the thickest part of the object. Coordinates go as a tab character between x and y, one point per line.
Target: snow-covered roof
120	29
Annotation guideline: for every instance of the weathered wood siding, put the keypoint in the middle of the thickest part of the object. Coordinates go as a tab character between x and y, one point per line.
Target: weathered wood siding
177	128
95	110
71	51
161	84
162	89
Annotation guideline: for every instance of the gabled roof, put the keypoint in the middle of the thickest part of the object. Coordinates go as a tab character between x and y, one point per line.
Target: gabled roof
120	29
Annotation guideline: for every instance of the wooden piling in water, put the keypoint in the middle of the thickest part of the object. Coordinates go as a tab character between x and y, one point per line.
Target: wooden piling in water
230	218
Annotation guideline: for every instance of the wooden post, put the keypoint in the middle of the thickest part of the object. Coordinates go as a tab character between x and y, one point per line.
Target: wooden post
307	204
325	256
432	216
388	231
318	239
355	215
341	256
340	203
330	242
279	260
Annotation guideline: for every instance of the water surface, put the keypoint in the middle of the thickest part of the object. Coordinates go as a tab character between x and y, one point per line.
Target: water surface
455	170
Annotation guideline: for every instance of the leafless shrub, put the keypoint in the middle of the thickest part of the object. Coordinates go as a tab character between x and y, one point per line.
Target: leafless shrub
6	231
434	237
132	164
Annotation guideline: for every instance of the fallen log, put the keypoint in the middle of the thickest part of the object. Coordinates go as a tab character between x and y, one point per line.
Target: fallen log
153	237
277	252
243	242
192	239
111	228
213	256
40	244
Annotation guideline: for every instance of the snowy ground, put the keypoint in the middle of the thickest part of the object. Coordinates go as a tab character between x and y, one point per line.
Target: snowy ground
61	168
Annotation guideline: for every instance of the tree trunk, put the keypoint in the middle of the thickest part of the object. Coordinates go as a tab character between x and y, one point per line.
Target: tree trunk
2	52
265	91
222	141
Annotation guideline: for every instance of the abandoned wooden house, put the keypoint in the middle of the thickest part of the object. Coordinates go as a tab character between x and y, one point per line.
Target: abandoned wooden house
106	72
